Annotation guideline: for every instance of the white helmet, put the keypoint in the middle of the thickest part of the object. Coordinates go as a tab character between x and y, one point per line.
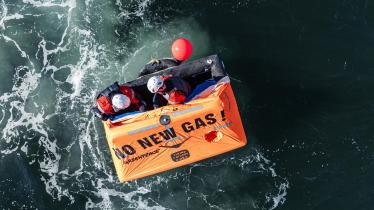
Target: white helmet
155	83
120	102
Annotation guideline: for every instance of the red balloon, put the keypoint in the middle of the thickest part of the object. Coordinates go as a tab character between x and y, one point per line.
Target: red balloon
181	49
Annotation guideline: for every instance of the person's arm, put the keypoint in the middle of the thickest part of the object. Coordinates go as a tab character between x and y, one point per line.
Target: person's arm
142	102
99	114
102	109
177	97
158	101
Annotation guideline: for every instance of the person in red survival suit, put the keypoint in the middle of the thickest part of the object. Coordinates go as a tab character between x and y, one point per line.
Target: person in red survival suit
168	90
117	99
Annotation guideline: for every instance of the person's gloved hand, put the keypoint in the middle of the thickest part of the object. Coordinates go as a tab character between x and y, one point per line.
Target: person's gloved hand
104	117
98	114
154	61
143	106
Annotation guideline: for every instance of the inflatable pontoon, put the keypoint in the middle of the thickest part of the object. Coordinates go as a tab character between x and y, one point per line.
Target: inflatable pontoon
206	125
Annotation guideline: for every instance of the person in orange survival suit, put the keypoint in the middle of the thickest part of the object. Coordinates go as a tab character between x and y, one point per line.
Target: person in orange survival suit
168	90
117	99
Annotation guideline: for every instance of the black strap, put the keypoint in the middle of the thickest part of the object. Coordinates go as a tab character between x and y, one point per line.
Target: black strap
109	91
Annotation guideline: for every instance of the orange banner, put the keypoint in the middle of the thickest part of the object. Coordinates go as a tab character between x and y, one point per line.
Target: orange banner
205	127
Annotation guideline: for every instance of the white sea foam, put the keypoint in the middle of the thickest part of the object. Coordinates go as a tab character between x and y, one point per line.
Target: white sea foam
3	14
5	17
265	166
280	197
141	7
79	164
195	185
51	160
52	3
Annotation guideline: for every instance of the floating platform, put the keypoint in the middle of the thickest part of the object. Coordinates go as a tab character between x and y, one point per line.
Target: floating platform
206	125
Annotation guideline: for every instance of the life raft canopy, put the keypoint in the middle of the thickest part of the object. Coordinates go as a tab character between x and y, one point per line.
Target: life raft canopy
206	125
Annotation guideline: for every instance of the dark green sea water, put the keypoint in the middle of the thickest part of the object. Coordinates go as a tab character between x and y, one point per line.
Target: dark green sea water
302	72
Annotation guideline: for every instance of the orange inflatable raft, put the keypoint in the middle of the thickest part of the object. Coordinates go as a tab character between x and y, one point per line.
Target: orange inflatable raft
208	124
